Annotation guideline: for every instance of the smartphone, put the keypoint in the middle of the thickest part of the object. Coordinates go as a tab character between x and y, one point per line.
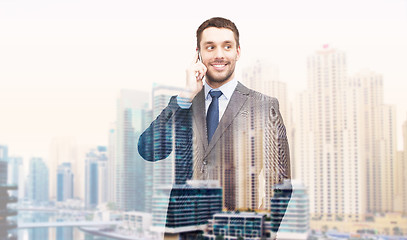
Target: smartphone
200	60
199	56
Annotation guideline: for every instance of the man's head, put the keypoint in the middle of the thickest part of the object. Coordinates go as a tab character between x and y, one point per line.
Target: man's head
218	43
217	22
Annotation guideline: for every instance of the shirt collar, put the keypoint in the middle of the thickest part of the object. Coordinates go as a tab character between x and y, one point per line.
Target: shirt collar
226	89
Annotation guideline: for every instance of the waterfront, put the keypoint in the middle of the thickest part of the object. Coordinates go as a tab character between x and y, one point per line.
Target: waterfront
52	233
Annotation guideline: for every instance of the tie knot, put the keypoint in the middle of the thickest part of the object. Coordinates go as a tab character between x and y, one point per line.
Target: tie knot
215	94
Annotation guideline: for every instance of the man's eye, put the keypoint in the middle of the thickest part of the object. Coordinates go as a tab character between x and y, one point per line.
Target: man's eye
228	47
210	47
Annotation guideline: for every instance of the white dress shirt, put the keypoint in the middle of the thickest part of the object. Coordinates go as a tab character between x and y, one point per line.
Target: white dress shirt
227	91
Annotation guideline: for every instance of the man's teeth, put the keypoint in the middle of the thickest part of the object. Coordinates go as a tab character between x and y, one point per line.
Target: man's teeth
219	65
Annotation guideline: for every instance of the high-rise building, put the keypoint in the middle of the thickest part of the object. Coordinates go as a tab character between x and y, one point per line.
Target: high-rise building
263	77
111	165
15	167
345	143
6	225
130	168
404	187
399	183
375	123
289	211
96	177
254	180
164	171
403	172
388	159
38	178
65	150
327	141
65	180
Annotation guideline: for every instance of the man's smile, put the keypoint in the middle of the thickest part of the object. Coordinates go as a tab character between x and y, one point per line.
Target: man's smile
219	66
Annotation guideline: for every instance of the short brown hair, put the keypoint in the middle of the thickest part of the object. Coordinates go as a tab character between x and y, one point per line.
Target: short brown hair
217	22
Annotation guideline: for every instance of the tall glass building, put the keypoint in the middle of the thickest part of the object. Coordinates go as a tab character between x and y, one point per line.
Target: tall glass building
64	182
96	177
38	185
130	176
290	211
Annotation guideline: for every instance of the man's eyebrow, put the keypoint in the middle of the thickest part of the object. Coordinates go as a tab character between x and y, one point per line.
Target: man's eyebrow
212	42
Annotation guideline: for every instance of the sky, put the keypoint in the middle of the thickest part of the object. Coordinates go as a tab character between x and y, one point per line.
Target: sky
62	63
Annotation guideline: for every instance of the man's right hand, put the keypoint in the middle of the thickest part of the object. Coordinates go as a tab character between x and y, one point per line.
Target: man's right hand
195	74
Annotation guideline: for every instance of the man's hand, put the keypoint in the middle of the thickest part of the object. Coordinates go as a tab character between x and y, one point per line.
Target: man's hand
195	73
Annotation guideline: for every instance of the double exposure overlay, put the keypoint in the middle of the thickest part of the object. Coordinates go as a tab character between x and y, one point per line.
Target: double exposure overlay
156	120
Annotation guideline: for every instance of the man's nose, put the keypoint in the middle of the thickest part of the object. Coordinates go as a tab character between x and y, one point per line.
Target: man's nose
219	53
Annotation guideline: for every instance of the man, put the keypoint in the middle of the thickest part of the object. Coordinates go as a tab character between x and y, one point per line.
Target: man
223	130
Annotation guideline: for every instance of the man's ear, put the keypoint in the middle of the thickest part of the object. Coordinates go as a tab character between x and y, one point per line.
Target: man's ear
238	53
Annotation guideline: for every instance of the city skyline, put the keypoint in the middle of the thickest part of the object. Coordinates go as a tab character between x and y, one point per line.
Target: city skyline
63	64
278	88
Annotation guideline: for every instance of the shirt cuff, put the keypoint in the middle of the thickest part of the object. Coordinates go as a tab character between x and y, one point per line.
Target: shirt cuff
183	103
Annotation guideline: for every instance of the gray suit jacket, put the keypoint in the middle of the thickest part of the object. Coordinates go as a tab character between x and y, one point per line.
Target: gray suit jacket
248	153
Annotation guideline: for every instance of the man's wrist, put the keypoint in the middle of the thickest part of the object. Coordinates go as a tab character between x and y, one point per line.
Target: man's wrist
184	102
188	95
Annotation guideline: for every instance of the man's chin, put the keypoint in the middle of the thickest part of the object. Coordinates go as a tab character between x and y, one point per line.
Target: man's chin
217	79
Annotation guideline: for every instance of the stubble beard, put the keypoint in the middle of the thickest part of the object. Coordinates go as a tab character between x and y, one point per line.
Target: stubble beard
212	79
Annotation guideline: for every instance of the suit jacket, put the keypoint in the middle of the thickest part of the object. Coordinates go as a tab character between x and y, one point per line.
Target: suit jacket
248	153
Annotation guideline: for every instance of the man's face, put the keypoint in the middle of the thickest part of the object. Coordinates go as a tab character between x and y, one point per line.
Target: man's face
219	54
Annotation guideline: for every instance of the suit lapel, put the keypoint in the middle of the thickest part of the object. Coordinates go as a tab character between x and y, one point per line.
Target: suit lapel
198	108
238	99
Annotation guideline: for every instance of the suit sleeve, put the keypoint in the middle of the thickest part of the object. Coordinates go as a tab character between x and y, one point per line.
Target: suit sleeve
156	142
283	169
281	143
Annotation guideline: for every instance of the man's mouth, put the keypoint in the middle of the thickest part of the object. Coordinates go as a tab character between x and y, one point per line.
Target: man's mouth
219	66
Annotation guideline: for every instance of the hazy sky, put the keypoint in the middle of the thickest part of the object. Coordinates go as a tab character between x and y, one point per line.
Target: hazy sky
62	63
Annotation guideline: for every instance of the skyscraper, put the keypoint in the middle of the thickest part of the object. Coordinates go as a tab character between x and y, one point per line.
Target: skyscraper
3	153
65	150
263	77
65	180
38	178
326	153
111	165
376	127
15	167
130	167
403	173
96	177
164	170
344	141
289	210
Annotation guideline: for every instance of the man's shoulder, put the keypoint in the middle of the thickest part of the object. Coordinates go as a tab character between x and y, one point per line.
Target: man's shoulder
257	96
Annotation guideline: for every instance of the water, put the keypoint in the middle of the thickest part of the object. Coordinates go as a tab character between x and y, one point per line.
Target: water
51	233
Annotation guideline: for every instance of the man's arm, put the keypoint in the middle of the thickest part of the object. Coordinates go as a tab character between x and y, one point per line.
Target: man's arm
156	142
282	167
278	134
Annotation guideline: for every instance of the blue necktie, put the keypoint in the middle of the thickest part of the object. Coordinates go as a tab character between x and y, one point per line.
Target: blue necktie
212	117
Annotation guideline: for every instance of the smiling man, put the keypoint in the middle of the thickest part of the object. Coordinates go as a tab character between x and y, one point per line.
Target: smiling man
219	129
